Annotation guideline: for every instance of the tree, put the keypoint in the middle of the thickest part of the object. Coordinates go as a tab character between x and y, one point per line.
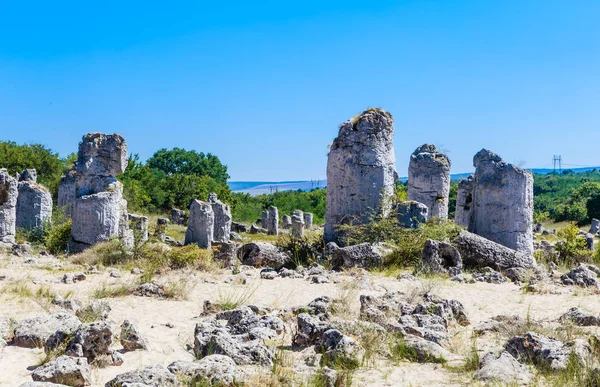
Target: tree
180	161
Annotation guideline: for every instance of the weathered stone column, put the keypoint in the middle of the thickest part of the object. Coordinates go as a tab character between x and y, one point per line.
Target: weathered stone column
34	204
286	222
264	222
297	226
308	220
161	229
464	201
595	226
177	216
201	224
139	225
502	209
429	180
361	171
223	219
99	212
67	191
273	221
8	207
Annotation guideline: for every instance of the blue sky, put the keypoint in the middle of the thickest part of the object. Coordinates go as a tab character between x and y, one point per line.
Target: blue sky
264	85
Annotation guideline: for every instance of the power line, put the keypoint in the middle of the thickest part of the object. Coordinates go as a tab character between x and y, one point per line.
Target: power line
557	159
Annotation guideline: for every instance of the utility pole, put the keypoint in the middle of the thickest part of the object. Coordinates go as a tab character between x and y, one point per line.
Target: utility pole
557	160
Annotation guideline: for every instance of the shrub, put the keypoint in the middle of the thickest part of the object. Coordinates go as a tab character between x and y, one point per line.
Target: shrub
191	255
305	250
571	248
56	238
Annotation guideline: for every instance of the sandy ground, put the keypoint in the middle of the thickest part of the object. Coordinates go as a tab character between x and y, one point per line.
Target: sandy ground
169	325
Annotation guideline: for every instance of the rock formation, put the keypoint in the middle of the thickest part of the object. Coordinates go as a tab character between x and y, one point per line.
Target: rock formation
286	222
297	226
477	251
67	191
273	221
223	219
201	224
502	208
464	201
429	180
361	172
34	203
8	207
410	214
99	211
178	216
308	220
139	225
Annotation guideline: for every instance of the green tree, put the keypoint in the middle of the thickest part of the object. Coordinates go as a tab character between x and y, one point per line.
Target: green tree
183	162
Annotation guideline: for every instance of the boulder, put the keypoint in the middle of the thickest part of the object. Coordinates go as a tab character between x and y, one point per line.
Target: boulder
478	251
178	217
364	255
411	214
595	227
152	376
217	370
8	207
131	338
66	370
34	332
225	253
429	180
91	341
441	258
201	225
339	350
361	173
580	317
503	369
286	222
547	352
502	208
581	276
263	254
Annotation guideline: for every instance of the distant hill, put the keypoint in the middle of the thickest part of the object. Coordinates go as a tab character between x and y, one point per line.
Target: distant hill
265	187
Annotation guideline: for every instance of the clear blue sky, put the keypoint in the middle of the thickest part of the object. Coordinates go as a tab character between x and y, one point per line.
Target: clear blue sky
265	84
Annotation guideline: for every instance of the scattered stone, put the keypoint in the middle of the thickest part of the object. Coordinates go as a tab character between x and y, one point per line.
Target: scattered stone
581	276
218	370
502	209
71	278
91	341
499	323
201	225
8	207
131	339
223	219
464	201
580	317
477	251
225	253
503	369
238	227
411	214
490	276
268	274
254	229
430	352
546	352
360	171
161	228
152	376
263	254
429	180
365	255
64	370
34	332
34	203
149	289
595	227
441	258
311	329
340	350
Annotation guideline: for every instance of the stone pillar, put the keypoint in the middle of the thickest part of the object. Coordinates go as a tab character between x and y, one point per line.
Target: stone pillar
308	220
201	224
139	225
99	212
223	219
361	171
595	226
273	221
429	180
67	191
464	201
502	209
34	204
161	229
286	222
8	207
411	214
589	241
264	222
297	226
178	216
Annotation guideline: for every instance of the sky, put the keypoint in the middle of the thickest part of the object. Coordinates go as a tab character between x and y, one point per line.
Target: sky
265	85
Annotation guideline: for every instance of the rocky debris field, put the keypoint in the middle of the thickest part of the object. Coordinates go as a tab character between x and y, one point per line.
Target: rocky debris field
63	323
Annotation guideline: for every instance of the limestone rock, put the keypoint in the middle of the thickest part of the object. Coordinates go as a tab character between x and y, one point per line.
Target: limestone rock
263	254
286	222
297	226
34	332
43	384
441	258
340	350
364	255
218	370
595	227
152	376
361	172
8	207
429	180
502	208
308	220
64	370
411	214
580	317
225	253
91	341
503	369
223	219
464	201
139	225
102	155
28	175
272	221
311	329
131	338
581	276
546	352
67	191
178	216
34	203
478	251
201	224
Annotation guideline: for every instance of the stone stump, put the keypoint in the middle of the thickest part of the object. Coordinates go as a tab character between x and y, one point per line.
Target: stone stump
139	225
8	207
429	180
361	172
297	227
178	216
464	201
308	220
34	203
286	222
595	226
200	225
411	214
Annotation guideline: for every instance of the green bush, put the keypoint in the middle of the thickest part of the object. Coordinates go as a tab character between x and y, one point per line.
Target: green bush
572	248
56	238
305	250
